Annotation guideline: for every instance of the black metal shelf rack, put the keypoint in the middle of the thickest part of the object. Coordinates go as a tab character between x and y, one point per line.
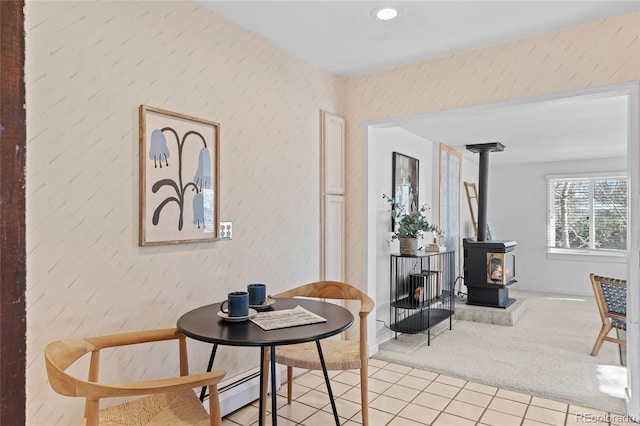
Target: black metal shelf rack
421	292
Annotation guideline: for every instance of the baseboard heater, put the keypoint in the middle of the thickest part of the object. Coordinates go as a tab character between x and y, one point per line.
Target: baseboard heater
241	390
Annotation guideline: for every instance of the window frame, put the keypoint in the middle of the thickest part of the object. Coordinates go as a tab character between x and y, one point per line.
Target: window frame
558	252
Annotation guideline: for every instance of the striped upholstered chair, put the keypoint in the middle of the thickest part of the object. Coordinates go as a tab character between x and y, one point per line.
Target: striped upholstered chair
611	298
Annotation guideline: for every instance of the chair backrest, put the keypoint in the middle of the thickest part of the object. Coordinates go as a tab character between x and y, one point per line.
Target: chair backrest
61	354
611	296
338	291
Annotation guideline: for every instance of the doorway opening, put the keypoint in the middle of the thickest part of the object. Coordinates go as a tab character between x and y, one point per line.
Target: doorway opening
376	146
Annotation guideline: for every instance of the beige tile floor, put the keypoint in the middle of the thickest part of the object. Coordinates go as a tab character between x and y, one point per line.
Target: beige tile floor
404	396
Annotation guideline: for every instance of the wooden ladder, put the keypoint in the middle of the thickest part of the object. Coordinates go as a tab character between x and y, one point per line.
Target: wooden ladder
472	194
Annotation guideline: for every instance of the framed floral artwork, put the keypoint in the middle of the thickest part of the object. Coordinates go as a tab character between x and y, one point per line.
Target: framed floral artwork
179	178
405	184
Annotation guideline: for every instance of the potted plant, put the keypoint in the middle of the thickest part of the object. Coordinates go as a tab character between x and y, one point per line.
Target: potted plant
410	226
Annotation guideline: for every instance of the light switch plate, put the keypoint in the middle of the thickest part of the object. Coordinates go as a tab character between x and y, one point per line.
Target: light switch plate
226	230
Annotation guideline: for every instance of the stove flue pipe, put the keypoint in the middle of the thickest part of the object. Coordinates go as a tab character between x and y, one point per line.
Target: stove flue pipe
483	194
483	182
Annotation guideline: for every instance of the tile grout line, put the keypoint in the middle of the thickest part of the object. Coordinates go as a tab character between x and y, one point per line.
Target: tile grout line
403	376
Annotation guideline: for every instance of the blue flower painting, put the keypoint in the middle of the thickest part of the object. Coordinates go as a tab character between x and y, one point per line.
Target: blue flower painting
202	179
158	151
198	209
184	186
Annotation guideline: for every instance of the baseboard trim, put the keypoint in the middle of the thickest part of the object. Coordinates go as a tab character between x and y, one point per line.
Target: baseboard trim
241	390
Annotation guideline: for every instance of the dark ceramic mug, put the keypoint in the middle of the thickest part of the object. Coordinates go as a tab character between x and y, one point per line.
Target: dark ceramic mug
257	293
237	304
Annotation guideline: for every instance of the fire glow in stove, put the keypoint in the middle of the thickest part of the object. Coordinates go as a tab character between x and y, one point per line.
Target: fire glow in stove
489	265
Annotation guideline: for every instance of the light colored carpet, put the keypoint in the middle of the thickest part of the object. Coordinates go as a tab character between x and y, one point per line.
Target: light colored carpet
546	353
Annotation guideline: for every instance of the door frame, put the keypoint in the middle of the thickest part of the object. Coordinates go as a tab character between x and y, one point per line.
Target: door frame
632	90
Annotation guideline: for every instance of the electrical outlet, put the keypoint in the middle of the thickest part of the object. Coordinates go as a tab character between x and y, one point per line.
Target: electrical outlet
226	230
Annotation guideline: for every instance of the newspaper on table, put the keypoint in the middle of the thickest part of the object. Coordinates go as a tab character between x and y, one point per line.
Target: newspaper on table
273	320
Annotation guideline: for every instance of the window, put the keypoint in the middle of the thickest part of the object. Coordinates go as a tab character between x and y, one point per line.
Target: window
588	214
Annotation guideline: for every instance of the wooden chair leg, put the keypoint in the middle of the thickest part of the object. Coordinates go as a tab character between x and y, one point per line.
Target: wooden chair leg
606	328
620	348
265	384
289	384
91	412
214	406
364	393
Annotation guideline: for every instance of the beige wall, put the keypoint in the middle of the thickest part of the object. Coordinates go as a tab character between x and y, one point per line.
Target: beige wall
89	66
584	56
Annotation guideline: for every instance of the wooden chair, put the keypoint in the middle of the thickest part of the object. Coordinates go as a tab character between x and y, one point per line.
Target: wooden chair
171	401
611	298
338	354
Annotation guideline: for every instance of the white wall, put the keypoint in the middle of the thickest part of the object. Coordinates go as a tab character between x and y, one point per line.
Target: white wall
382	143
517	207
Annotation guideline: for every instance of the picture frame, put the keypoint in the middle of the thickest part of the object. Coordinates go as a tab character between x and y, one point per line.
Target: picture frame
405	174
179	178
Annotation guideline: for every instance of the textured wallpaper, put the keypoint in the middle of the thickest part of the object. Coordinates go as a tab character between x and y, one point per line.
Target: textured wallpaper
89	66
584	56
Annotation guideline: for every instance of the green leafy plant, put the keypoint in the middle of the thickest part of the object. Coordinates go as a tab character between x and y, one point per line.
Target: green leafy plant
410	225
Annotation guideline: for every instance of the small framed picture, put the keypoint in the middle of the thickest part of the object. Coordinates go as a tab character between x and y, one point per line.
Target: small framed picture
405	183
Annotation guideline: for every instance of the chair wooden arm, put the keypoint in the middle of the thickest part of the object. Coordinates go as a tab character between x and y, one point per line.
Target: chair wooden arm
134	337
367	306
332	290
110	390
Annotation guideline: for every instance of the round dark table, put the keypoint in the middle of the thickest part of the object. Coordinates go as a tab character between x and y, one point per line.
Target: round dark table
203	324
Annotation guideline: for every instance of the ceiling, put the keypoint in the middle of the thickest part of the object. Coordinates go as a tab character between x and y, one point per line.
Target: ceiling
565	129
345	38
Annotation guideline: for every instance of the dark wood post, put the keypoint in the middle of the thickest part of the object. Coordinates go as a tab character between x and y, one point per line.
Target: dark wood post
12	214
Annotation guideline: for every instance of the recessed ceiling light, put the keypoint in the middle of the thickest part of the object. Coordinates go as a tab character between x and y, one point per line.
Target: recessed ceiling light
386	14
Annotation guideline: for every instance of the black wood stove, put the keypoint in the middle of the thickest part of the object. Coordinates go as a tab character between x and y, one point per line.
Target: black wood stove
489	265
